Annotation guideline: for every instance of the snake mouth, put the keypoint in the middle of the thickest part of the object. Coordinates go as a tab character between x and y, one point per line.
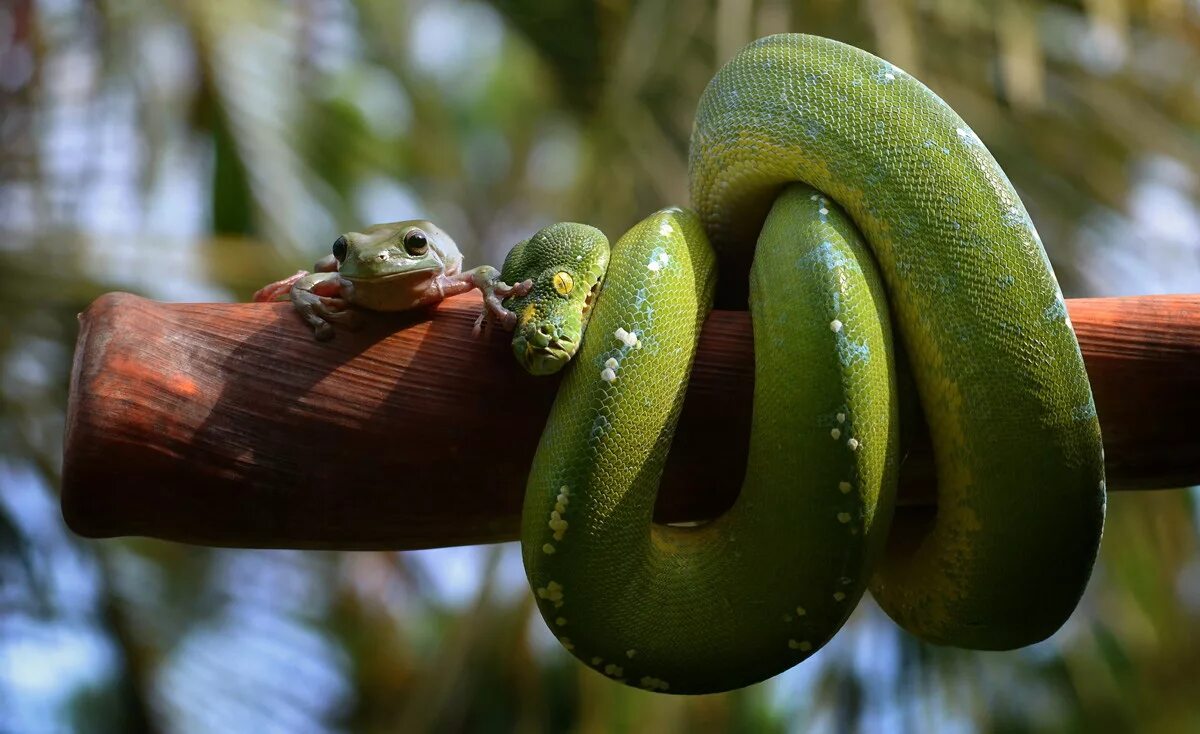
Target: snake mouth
548	359
590	300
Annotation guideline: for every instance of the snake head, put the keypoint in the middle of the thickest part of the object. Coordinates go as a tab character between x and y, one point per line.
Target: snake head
566	262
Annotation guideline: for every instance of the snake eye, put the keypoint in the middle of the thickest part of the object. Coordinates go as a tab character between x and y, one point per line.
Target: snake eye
415	242
563	283
339	248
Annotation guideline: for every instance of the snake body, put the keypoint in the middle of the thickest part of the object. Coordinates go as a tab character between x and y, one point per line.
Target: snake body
857	193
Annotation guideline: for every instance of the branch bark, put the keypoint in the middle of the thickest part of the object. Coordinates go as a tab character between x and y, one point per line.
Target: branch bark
228	425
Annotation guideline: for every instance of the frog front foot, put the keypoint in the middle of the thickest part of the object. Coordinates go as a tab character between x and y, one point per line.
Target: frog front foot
322	300
487	280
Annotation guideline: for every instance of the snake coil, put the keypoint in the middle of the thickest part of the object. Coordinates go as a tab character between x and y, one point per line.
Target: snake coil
858	193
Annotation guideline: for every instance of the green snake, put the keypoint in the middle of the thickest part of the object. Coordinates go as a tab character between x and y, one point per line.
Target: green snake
844	199
800	144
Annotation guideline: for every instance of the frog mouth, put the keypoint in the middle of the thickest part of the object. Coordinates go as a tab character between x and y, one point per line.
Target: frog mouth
354	278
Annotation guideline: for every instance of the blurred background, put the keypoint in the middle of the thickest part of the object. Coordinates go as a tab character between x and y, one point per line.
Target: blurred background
192	151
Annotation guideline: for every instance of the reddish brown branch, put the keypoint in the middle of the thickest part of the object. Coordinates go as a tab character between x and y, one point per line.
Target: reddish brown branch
227	424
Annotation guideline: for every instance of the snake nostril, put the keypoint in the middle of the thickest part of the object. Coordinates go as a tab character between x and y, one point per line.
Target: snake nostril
546	329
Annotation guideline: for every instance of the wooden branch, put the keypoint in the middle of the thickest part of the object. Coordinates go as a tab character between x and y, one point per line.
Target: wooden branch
227	424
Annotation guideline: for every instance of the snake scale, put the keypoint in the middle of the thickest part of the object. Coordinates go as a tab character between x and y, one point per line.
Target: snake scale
865	205
845	201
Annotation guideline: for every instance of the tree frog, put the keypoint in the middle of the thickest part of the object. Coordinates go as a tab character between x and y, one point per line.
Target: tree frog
389	267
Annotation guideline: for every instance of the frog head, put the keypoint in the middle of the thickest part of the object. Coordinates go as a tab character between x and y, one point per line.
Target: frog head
391	265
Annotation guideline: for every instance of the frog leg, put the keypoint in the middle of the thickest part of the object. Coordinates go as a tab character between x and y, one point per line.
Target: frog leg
322	299
282	288
279	289
487	280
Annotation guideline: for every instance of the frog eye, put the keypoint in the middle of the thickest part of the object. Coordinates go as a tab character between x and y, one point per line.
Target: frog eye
415	242
563	282
339	248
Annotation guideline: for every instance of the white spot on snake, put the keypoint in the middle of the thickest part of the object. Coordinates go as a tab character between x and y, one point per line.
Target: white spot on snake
557	523
608	375
627	338
838	596
1102	485
835	434
843	517
612	363
802	646
967	137
614	670
561	621
597	660
665	229
841	417
852	444
844	487
566	642
548	549
630	653
823	211
835	326
552	591
651	683
654	266
801	611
